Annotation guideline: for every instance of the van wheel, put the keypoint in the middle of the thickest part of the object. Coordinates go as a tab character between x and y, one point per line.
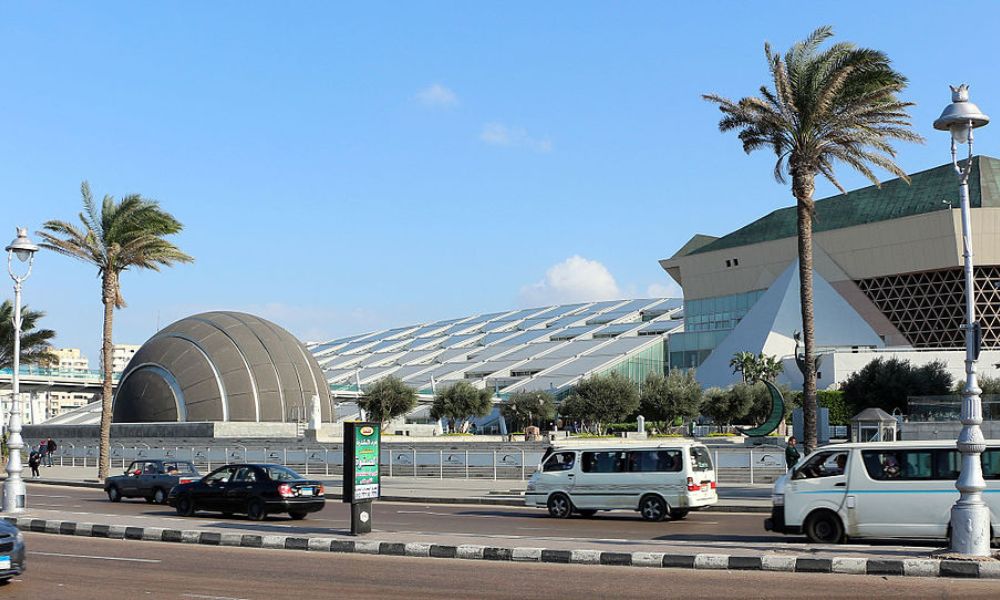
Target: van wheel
559	506
678	513
587	513
824	527
653	508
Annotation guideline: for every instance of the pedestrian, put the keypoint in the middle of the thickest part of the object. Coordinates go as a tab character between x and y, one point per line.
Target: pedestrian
43	449
34	459
791	452
51	447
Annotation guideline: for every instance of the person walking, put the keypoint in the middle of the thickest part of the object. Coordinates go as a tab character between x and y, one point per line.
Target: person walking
43	449
51	447
34	460
791	453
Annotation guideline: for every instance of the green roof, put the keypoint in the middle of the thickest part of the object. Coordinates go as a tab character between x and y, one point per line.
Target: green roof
928	191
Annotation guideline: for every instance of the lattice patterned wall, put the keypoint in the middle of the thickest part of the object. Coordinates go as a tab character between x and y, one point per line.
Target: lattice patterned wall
929	307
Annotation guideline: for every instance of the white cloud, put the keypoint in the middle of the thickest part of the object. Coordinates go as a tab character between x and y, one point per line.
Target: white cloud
498	134
664	290
437	96
576	279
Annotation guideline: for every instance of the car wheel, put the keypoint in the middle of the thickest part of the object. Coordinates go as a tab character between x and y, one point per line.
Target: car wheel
298	515
824	527
114	494
587	513
160	496
559	506
653	508
679	513
256	511
185	506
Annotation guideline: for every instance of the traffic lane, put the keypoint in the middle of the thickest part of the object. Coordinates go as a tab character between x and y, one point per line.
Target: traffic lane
98	569
92	505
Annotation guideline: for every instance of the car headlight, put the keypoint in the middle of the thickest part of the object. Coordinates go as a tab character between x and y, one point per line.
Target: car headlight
778	499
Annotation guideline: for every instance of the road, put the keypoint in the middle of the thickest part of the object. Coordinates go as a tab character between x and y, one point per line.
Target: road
98	569
84	504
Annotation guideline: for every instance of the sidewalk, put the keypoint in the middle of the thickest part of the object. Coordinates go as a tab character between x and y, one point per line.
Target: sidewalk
433	490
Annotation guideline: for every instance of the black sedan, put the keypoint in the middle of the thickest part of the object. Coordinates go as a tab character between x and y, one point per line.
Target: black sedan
254	490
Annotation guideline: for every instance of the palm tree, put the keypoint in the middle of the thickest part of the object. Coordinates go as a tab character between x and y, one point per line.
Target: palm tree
115	237
768	367
35	346
838	104
744	363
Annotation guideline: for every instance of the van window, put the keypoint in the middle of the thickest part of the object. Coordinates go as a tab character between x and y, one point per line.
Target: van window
700	459
560	461
604	462
900	464
824	464
655	461
948	464
991	463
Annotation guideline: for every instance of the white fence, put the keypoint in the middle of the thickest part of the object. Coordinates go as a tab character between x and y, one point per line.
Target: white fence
734	465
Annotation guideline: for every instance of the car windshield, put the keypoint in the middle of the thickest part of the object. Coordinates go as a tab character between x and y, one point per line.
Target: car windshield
180	467
277	473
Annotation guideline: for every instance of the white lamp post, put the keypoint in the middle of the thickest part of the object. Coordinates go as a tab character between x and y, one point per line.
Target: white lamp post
970	517
13	487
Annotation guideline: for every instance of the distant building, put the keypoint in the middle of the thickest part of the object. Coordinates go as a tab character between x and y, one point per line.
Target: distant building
121	354
887	278
70	360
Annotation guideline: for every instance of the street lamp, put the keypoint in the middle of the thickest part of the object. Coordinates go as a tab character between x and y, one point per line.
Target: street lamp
13	487
970	517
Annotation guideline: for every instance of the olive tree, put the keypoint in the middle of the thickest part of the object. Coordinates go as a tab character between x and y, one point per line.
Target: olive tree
459	402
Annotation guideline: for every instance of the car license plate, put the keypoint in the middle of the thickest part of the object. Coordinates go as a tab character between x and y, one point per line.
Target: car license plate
4	563
306	491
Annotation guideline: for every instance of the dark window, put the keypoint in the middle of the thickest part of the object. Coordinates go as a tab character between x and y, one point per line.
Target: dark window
220	476
604	462
736	262
824	464
561	461
246	475
655	461
991	463
884	465
729	263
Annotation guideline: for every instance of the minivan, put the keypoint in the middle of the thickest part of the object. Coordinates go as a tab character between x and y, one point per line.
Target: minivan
877	490
658	480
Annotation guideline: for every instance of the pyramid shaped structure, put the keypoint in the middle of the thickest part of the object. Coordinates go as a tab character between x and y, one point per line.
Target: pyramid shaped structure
770	325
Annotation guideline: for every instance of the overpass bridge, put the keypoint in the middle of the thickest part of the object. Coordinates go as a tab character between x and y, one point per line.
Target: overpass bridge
42	379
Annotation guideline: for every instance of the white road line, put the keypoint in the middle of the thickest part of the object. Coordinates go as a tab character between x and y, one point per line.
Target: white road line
115	558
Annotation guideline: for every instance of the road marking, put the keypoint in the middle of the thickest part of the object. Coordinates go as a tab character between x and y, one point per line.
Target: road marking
138	560
204	597
51	496
441	514
57	505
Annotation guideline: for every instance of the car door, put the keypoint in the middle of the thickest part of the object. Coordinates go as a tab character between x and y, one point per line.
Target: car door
818	483
242	488
129	484
601	481
147	480
212	493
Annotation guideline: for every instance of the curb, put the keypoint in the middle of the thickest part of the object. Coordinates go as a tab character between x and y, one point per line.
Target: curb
480	500
910	567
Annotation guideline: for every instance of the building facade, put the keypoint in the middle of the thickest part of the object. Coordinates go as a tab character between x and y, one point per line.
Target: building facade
891	253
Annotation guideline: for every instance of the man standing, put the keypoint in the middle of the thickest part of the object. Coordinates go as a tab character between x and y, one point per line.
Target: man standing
43	450
51	447
791	453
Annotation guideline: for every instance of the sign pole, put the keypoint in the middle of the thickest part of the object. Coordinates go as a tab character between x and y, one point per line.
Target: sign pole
362	451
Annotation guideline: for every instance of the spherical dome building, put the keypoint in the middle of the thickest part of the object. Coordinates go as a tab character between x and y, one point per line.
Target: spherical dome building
221	366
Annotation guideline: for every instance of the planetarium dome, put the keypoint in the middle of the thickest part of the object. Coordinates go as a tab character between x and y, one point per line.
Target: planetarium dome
221	366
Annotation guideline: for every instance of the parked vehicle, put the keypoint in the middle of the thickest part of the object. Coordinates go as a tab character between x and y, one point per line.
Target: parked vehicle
150	479
255	490
12	562
658	480
877	490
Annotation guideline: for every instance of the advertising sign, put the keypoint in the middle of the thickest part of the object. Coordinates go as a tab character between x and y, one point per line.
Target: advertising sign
362	449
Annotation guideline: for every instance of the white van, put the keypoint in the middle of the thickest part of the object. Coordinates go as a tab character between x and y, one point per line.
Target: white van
877	490
658	480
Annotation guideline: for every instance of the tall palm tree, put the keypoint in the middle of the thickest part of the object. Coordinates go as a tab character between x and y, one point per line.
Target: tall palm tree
115	236
35	346
744	363
839	104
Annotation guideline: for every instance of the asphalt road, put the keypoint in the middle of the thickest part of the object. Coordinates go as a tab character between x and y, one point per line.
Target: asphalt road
86	569
90	505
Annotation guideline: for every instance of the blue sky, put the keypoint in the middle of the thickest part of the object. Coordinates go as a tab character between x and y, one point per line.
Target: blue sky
345	168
